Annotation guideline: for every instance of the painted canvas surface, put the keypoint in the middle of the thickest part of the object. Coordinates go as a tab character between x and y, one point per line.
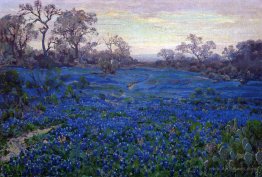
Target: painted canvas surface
131	88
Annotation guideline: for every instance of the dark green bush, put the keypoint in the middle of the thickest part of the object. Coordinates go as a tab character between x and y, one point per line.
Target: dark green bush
52	99
15	101
41	107
83	83
10	83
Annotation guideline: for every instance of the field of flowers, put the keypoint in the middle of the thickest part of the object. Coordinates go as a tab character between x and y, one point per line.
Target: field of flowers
139	122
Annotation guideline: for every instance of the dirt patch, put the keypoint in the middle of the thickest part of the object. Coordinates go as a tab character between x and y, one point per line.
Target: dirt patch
16	145
131	85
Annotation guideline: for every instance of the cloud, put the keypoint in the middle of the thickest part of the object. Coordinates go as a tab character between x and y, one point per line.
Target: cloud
148	25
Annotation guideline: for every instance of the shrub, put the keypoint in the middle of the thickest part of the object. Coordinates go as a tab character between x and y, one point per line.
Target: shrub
15	100
211	91
198	91
10	82
52	99
41	107
70	93
108	65
83	83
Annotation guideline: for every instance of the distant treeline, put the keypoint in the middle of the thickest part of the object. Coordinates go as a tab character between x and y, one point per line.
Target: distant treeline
242	62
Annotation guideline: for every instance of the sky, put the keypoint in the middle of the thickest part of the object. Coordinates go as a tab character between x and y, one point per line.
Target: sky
149	25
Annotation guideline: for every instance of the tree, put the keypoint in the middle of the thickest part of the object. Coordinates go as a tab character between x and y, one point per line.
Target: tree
89	47
87	52
196	47
229	53
118	50
16	32
73	26
42	15
247	59
8	32
167	54
118	46
248	56
25	34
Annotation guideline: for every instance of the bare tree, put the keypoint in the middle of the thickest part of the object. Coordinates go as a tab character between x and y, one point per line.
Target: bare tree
167	54
196	47
16	32
87	51
25	34
229	52
40	14
73	26
117	45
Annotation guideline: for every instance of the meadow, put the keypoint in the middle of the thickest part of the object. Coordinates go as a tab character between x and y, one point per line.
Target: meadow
138	122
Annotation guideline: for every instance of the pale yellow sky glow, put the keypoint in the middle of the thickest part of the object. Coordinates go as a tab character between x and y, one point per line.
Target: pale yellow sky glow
149	25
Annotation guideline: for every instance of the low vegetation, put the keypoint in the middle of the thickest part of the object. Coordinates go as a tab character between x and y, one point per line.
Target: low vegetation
243	63
204	134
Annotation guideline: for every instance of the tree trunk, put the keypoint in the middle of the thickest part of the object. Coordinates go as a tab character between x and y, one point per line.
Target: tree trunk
76	52
43	44
20	54
13	50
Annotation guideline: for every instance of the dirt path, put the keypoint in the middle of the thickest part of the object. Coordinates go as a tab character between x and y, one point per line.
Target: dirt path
131	85
16	145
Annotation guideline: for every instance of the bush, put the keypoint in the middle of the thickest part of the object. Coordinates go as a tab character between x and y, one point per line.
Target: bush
70	93
108	66
41	107
83	83
14	99
108	62
10	82
52	99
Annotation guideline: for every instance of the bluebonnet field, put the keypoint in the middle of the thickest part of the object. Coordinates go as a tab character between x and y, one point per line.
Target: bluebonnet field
138	122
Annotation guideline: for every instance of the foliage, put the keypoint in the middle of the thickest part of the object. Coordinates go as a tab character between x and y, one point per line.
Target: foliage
108	62
10	80
83	83
73	26
16	32
52	99
116	45
43	15
240	149
70	93
118	54
15	100
167	54
41	107
197	48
